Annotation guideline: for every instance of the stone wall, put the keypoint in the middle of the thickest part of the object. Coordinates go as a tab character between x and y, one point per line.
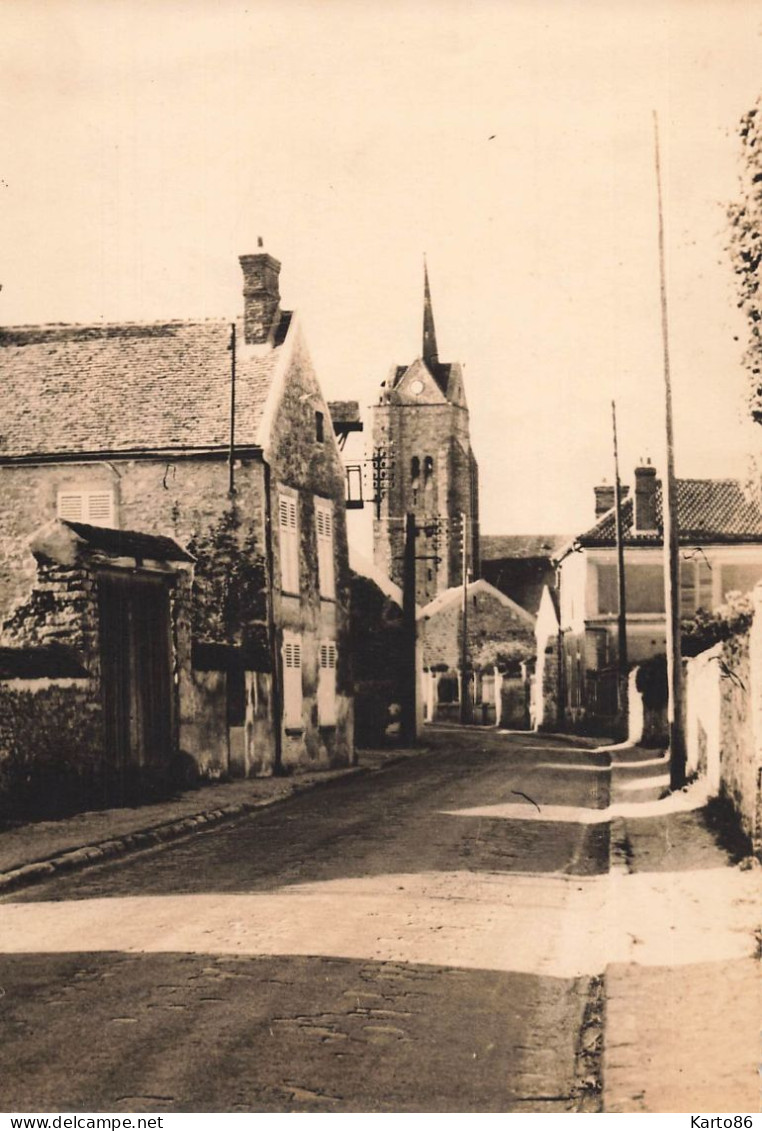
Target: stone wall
703	715
51	746
54	754
740	739
492	626
723	719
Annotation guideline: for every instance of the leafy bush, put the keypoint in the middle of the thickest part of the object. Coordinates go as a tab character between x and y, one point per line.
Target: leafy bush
705	629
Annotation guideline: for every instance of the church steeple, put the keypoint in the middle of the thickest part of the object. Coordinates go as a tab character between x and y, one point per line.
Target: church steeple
430	352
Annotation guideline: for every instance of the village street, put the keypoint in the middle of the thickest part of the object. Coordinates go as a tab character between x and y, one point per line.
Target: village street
424	938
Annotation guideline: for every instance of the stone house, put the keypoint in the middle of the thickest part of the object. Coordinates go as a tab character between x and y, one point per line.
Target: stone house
720	531
500	638
213	436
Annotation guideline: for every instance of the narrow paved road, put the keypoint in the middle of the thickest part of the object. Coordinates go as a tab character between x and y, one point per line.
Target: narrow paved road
395	942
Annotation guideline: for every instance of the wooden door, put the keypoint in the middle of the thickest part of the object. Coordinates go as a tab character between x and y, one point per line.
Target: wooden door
137	681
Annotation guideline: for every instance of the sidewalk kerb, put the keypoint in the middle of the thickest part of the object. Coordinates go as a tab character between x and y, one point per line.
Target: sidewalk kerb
150	836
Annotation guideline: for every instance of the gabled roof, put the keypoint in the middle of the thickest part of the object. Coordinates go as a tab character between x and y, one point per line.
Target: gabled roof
455	594
130	388
493	547
441	371
708	511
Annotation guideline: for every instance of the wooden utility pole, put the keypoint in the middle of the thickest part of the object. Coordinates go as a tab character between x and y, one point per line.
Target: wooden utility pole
408	705
671	532
231	452
465	689
622	664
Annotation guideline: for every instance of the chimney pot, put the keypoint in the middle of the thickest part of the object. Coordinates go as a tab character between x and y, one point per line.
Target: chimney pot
261	296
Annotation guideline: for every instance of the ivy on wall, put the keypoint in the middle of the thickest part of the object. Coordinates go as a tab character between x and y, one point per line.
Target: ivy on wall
229	586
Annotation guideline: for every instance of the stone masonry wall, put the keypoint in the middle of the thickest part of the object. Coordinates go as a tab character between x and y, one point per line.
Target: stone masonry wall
491	625
309	467
51	746
740	685
723	713
183	499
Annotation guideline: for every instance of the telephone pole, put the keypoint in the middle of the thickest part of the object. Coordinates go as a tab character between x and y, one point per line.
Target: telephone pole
465	688
622	664
408	705
671	533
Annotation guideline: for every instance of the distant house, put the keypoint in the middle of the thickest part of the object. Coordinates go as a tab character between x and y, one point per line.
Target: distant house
214	439
720	552
521	565
499	637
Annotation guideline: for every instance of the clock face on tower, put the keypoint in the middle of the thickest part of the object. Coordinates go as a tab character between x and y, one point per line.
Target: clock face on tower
416	387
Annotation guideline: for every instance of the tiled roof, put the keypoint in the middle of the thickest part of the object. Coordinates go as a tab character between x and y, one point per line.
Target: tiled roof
132	387
708	510
492	547
129	543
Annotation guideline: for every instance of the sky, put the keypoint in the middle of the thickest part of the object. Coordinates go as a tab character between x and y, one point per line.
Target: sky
146	144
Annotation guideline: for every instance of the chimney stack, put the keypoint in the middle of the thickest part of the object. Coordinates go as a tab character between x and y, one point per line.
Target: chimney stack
261	296
605	497
645	499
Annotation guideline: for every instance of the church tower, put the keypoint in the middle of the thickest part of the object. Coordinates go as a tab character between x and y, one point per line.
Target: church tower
421	440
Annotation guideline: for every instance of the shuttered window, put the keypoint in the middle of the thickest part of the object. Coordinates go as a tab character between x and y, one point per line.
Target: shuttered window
324	526
288	526
292	681
96	508
327	684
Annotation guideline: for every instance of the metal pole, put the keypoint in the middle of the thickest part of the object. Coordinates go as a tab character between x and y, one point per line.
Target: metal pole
465	690
231	453
671	533
622	664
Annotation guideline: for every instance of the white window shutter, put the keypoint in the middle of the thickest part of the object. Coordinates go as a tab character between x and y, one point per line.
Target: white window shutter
292	681
70	506
100	508
95	508
289	543
327	685
325	548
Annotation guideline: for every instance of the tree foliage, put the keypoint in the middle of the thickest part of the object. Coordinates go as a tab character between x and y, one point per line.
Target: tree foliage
706	628
745	249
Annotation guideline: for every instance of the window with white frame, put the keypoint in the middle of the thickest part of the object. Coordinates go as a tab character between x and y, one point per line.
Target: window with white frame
292	680
93	507
288	526
327	684
324	527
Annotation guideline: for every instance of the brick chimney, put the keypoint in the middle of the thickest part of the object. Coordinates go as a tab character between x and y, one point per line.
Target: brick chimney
604	498
261	296
645	499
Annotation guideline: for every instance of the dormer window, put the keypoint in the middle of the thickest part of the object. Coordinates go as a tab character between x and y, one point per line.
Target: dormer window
93	507
319	427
